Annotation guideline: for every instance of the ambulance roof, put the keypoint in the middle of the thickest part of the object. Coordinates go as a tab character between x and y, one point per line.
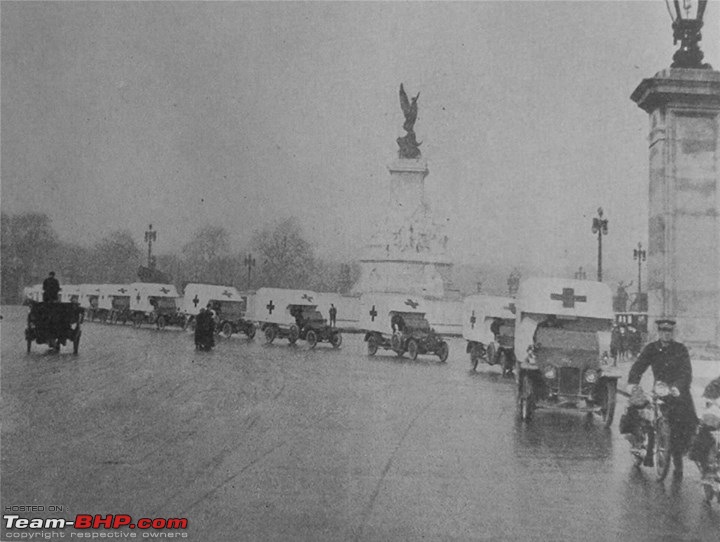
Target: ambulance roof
213	291
155	289
395	302
568	297
490	306
115	289
286	296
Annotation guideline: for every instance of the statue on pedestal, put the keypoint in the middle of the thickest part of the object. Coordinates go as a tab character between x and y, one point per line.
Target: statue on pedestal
409	146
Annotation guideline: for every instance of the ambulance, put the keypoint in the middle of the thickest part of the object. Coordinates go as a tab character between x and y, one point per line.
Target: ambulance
398	323
89	294
154	303
292	315
228	305
32	293
69	293
114	303
483	315
562	342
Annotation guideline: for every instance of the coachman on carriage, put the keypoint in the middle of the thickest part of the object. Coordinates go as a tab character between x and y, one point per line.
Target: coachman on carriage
54	324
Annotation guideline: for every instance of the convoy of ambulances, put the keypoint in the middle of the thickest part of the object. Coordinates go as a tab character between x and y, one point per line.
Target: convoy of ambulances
483	315
562	343
228	305
292	315
154	303
397	322
113	303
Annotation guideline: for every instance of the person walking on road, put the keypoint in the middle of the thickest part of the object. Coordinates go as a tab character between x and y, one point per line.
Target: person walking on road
333	315
670	362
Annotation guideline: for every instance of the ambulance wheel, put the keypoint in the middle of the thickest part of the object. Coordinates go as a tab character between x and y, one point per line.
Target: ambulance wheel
372	345
138	320
395	341
412	349
270	334
293	334
336	340
311	338
526	398
490	354
227	329
161	321
443	352
474	356
250	331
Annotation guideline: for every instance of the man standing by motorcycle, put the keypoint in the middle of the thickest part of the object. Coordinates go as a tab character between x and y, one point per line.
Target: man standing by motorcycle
670	362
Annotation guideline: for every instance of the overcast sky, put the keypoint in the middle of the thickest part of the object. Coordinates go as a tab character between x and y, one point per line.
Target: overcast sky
116	115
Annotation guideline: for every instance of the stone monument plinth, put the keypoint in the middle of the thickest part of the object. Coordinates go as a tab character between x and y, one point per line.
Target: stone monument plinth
684	199
407	253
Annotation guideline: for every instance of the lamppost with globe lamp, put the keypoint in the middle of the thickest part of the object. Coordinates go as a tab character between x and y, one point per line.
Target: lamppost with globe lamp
640	255
600	227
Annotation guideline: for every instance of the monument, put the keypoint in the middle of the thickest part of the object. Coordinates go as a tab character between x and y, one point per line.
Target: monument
683	103
407	253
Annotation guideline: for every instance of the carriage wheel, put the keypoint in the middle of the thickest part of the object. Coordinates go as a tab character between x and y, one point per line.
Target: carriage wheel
372	345
412	349
662	448
311	338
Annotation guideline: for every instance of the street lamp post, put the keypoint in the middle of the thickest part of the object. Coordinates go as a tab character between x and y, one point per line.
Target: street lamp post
686	24
249	263
640	255
600	227
150	236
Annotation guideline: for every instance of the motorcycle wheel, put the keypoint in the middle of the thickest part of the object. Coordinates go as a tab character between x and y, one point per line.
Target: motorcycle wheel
662	449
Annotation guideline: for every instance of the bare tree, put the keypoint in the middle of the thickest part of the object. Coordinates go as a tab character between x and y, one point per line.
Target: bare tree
285	258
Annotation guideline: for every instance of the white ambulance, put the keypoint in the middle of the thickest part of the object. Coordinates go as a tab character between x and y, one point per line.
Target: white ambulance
562	342
397	322
229	307
488	328
114	303
292	314
32	293
154	303
69	293
89	295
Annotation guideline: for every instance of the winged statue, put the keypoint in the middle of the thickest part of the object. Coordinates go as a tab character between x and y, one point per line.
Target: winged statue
409	146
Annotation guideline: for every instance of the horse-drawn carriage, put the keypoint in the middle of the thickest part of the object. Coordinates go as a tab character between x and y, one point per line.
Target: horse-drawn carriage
54	324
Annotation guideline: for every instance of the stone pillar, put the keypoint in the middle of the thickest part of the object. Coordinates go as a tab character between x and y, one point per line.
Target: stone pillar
684	198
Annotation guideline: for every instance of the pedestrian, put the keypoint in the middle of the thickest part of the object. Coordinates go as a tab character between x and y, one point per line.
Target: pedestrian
333	315
615	344
670	363
51	288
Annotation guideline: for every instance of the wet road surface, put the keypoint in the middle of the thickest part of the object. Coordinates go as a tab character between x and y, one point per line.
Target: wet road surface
271	442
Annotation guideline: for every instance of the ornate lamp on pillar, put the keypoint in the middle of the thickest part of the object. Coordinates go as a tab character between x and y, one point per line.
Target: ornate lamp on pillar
687	22
600	227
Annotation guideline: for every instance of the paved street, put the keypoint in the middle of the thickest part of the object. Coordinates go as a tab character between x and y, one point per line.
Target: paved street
271	442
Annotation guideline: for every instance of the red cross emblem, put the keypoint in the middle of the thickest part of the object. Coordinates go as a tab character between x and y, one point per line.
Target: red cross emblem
472	320
373	313
411	303
568	298
227	293
270	306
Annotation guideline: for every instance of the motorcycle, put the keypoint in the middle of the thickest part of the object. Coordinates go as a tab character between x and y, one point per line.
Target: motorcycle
706	450
646	426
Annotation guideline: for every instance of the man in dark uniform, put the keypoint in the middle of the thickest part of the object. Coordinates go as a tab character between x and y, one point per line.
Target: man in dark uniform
670	362
51	288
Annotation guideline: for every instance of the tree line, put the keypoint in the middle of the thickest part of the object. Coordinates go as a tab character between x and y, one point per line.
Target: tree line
281	257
